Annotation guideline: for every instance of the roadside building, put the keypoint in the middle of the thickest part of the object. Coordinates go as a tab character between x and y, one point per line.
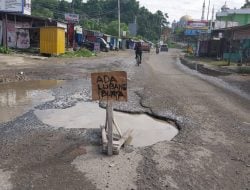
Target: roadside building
232	17
231	44
221	43
23	31
193	30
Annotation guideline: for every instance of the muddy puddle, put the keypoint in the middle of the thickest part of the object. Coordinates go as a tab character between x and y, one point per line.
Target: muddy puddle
18	97
146	130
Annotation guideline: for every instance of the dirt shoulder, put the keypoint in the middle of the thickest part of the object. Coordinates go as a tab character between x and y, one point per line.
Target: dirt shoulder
18	67
231	75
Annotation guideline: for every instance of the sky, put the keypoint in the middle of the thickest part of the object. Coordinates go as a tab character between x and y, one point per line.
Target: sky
177	8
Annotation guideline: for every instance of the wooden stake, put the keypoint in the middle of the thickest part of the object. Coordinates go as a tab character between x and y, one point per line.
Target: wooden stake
110	128
109	145
117	127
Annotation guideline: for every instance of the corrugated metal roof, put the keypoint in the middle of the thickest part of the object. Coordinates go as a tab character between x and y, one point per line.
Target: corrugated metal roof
36	17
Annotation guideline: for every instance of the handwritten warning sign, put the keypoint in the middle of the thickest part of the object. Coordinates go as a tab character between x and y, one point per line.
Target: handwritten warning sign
109	86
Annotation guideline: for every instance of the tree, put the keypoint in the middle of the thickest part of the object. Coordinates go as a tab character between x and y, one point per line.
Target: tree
150	25
44	8
112	28
246	5
102	15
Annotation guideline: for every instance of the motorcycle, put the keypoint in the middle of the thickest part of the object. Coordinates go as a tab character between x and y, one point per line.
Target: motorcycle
157	50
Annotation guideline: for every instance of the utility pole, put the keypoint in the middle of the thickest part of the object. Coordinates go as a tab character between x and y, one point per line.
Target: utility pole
160	29
119	19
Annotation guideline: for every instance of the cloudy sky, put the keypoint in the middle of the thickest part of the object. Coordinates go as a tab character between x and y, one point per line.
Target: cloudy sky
178	8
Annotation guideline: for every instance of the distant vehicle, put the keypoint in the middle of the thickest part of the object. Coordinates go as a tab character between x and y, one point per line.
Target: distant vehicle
104	46
157	50
146	46
164	47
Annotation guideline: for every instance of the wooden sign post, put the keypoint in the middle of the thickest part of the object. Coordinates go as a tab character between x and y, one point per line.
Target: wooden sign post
109	127
110	86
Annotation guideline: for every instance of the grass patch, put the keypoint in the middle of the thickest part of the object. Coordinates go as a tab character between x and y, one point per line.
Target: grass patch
172	45
79	53
244	70
5	50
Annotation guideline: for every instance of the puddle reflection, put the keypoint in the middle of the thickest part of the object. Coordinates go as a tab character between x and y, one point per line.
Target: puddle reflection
18	97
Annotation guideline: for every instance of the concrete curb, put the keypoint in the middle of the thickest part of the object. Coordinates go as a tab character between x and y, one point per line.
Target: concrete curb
204	69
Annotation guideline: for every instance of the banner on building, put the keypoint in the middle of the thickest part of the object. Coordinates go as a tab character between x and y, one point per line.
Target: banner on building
27	7
197	24
23	38
13	35
71	18
16	6
190	32
224	24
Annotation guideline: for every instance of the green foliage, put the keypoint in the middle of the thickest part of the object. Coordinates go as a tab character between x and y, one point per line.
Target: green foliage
138	37
102	15
91	24
5	50
112	28
246	5
151	25
44	8
244	70
79	53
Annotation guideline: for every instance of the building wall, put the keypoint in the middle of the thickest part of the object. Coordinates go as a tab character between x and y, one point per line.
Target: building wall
242	34
242	19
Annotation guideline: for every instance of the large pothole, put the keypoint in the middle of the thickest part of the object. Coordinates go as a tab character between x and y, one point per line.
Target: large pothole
146	130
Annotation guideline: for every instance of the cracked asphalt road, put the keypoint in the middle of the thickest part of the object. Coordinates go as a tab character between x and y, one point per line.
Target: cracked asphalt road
211	150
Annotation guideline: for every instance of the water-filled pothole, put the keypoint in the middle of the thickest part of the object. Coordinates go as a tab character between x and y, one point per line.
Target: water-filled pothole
146	130
18	97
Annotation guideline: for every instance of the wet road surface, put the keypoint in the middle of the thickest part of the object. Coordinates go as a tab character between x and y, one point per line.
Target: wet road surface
211	150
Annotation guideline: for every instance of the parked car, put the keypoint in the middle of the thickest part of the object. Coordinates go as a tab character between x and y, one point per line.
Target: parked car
104	46
146	46
164	47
